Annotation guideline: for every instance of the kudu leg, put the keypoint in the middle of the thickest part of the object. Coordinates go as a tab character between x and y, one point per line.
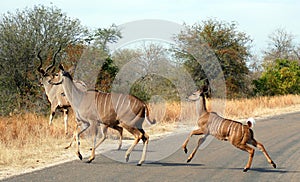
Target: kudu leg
104	132
138	134
73	138
120	130
194	132
248	149
66	120
129	150
145	138
94	138
52	113
82	127
200	141
264	151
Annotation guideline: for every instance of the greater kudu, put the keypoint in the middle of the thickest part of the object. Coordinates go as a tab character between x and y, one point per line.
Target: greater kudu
54	92
238	134
57	98
110	109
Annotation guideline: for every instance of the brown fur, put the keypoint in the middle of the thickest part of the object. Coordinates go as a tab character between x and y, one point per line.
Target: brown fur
239	135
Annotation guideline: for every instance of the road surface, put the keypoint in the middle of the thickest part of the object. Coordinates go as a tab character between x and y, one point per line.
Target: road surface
219	161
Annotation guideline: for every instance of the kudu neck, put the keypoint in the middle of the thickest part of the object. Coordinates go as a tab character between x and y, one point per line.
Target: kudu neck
73	94
202	105
48	89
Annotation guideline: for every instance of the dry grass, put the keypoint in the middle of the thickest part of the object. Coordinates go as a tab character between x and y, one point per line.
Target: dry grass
261	106
27	142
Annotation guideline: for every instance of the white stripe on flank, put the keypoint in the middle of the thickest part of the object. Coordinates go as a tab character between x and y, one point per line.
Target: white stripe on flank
212	126
133	105
242	129
116	106
229	128
122	102
128	105
218	128
105	104
221	129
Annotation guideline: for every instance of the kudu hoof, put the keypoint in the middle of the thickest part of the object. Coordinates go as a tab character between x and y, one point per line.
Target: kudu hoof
246	169
185	150
127	158
79	156
189	160
89	161
273	164
139	164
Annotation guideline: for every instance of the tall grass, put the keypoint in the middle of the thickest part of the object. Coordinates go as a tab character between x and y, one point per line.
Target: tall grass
234	108
260	106
27	139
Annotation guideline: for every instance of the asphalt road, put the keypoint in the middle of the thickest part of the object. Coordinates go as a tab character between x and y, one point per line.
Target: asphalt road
219	161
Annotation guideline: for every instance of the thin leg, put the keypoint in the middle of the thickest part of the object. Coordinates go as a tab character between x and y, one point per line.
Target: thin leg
201	140
73	138
94	138
104	132
137	135
66	120
198	131
51	117
84	126
52	111
250	150
145	139
129	150
262	148
120	130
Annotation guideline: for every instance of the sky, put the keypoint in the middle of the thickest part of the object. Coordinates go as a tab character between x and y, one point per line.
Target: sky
257	18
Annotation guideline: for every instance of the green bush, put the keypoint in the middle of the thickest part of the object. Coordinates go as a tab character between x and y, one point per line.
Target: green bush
281	78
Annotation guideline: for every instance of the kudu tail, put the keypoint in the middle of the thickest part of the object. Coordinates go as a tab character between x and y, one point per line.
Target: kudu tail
250	122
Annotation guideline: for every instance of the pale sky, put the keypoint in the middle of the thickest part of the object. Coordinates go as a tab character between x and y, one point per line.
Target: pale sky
256	18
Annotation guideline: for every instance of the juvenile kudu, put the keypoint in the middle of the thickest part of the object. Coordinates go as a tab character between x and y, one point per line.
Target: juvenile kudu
238	134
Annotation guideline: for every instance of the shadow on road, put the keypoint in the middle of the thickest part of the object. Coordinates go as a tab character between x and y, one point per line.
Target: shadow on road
174	164
261	170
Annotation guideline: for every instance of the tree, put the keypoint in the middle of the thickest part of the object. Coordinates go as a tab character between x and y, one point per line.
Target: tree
98	68
281	46
216	40
101	37
23	34
148	70
281	78
106	75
